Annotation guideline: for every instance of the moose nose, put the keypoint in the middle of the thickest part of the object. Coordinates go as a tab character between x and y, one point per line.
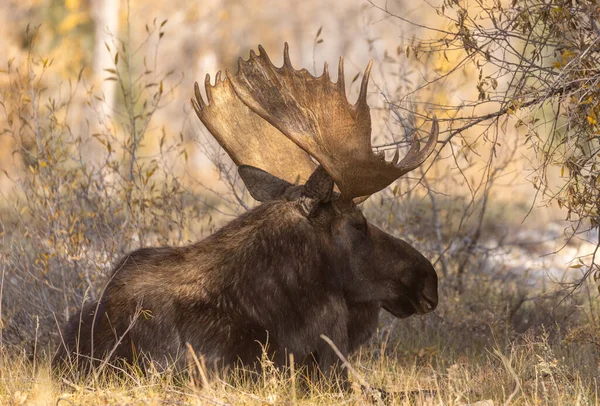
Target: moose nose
428	299
428	304
429	293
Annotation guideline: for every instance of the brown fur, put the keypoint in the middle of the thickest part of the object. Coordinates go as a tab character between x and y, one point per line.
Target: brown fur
278	276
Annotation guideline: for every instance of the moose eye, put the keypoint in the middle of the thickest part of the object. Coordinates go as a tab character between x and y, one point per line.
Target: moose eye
359	226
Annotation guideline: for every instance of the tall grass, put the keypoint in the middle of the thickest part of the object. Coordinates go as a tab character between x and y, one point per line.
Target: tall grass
431	360
87	188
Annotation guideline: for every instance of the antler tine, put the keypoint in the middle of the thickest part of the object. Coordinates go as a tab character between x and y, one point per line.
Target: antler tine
341	81
326	71
198	104
262	53
316	116
396	157
362	96
286	56
208	88
415	156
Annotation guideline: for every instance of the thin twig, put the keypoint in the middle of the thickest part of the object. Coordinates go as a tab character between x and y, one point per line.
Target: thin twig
372	392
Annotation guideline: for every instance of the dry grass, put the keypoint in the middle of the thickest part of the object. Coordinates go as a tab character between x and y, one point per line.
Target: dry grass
67	218
466	352
529	370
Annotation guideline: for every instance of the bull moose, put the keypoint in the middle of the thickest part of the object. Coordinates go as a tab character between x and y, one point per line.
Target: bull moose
304	263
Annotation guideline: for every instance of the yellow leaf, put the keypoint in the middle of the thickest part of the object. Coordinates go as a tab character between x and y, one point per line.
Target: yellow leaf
72	4
71	21
567	54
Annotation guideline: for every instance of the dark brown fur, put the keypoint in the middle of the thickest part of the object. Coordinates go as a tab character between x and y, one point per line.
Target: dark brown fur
279	276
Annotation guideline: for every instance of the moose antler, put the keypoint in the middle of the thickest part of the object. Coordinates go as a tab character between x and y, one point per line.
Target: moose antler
246	137
312	112
315	114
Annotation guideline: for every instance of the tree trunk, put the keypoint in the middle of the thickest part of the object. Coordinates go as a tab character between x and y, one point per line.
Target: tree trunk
105	14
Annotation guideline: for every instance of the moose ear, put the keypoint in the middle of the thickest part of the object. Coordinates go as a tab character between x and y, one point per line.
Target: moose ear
318	189
262	185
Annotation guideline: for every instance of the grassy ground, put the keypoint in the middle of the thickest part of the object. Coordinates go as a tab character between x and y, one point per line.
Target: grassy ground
521	376
467	352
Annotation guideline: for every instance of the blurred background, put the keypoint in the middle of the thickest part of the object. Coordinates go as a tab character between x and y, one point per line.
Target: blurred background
101	153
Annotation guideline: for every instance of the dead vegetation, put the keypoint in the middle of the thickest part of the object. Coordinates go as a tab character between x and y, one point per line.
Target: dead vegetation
83	192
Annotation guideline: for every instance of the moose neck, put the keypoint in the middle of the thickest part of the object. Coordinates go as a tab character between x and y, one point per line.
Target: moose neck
272	238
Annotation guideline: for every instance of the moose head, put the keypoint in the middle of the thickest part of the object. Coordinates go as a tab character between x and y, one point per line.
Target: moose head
281	120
